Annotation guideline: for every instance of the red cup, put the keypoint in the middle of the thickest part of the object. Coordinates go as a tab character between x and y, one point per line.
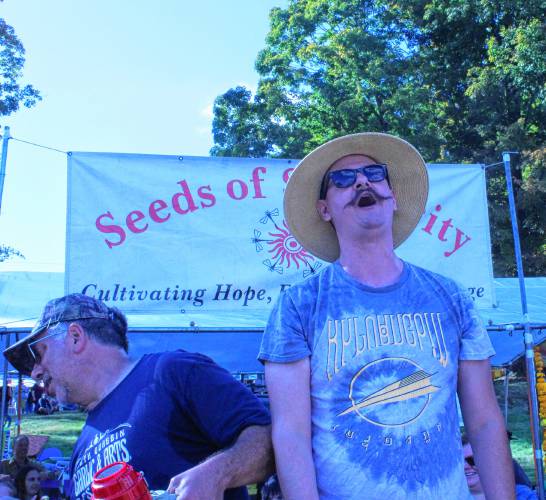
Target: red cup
119	481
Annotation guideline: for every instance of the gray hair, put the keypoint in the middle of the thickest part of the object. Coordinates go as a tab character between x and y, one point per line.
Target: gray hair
111	331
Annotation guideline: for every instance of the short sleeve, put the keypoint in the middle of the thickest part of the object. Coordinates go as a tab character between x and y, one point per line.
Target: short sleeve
221	406
475	342
284	339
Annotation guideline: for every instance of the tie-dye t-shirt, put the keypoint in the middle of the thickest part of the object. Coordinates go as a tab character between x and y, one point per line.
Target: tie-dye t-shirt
383	379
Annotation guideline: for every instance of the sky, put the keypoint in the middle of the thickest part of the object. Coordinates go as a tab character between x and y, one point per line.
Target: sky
128	76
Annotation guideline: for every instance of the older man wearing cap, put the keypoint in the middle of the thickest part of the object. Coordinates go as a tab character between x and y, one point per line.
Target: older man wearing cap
176	416
363	360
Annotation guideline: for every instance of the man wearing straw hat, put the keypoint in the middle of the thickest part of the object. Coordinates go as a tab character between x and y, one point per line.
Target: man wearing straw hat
363	360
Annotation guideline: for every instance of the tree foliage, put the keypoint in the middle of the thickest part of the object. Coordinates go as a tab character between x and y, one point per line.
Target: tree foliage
12	93
462	80
8	252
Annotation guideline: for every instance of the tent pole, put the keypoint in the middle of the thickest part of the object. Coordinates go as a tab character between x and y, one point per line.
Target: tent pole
19	403
4	396
528	336
3	161
506	396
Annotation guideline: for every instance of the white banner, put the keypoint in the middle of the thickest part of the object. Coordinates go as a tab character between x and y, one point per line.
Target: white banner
166	234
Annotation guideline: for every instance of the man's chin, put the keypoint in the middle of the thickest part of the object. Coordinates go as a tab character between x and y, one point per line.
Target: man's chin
62	398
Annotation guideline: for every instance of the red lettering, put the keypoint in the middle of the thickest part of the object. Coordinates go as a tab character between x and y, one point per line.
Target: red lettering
242	186
110	228
158	211
446	224
460	237
286	174
256	180
156	207
186	194
432	220
131	220
208	197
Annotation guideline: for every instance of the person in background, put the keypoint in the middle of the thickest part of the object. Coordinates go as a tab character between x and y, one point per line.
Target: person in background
37	391
54	405
44	406
27	483
7	489
9	395
523	492
13	465
31	401
271	489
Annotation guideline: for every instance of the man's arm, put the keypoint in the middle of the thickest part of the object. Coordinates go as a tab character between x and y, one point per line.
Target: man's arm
288	385
249	460
484	425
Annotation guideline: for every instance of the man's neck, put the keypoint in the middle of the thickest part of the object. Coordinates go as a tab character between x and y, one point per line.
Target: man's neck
110	374
372	264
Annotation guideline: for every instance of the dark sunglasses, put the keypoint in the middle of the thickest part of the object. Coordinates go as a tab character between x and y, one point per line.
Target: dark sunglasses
470	461
346	177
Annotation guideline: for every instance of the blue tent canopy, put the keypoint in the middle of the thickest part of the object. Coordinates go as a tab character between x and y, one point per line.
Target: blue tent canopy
23	295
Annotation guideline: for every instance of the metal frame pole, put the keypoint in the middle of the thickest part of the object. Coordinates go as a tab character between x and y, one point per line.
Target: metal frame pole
527	336
3	161
506	396
4	396
19	402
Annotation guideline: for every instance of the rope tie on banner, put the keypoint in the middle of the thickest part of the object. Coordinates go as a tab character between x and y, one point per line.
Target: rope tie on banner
17	321
39	145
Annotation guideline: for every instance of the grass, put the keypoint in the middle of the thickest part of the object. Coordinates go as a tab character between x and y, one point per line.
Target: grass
64	428
518	423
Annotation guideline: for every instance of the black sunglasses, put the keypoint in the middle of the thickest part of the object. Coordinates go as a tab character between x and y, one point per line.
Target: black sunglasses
346	177
470	461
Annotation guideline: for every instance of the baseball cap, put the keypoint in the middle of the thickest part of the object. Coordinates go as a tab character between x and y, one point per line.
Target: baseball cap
71	307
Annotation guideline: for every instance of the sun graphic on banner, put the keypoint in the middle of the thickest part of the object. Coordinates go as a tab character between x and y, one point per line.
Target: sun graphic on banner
284	250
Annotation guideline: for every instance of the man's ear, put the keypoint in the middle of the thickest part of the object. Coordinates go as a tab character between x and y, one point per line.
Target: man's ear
322	209
394	204
77	338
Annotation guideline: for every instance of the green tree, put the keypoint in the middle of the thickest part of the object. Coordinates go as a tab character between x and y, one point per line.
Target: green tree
8	252
463	80
491	76
12	93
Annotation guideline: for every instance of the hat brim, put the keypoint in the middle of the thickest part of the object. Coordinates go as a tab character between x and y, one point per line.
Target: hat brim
19	354
407	173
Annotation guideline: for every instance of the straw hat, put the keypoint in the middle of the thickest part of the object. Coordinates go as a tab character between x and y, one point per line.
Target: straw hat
407	174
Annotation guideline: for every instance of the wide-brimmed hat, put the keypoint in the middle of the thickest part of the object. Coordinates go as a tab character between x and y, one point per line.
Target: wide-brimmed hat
408	177
73	307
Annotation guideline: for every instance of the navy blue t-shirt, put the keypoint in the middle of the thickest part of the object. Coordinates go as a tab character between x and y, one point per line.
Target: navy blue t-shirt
170	412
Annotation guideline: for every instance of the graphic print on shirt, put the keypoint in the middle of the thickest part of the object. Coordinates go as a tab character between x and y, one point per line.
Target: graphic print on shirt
380	384
104	449
390	369
356	337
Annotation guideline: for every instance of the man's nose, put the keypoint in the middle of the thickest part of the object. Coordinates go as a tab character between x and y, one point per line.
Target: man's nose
37	372
362	181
